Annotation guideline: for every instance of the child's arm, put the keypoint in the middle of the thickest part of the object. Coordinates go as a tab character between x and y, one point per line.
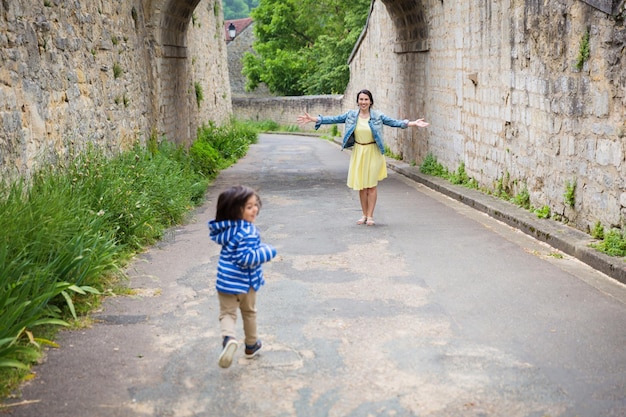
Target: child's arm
250	253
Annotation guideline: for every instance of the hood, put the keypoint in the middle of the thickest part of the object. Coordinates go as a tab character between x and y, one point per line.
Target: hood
228	231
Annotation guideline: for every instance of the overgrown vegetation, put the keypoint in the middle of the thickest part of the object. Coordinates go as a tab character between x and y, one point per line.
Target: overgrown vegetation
67	233
612	243
199	92
269	126
598	231
302	47
583	51
522	199
431	166
543	212
570	193
117	70
237	9
391	154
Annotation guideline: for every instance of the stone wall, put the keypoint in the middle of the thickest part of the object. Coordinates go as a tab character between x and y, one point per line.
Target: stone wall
497	79
208	68
93	71
500	85
285	110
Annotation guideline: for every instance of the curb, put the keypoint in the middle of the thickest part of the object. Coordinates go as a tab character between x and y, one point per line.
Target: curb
560	236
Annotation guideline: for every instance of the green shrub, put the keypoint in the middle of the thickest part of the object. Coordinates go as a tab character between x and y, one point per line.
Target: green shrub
543	213
614	243
199	93
264	126
522	199
66	233
598	231
391	154
459	177
117	70
583	51
570	193
231	142
205	158
430	166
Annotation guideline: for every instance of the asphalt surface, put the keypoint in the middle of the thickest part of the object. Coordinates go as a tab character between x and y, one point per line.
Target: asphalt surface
438	310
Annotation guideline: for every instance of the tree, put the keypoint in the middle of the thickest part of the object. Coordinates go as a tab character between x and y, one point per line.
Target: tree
235	9
302	46
252	4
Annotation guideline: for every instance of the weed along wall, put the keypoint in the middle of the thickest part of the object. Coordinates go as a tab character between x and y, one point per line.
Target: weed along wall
106	72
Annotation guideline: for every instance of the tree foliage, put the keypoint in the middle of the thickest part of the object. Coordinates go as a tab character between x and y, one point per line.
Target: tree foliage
302	46
238	9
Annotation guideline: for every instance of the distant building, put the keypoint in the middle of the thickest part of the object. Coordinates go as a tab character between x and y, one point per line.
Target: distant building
239	39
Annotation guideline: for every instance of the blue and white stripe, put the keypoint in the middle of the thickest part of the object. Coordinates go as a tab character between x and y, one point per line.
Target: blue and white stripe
242	255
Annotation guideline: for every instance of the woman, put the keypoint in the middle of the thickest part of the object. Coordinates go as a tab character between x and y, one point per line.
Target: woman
364	132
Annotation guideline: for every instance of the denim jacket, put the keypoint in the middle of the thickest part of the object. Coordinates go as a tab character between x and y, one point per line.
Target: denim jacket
376	122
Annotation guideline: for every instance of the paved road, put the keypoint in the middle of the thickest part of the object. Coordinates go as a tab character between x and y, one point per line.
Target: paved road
438	310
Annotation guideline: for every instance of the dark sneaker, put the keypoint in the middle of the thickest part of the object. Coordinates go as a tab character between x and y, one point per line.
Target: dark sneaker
228	351
253	350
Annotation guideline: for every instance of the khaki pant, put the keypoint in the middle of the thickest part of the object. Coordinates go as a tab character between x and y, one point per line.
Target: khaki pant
229	304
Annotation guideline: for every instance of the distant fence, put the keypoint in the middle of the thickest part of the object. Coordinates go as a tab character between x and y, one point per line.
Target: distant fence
285	110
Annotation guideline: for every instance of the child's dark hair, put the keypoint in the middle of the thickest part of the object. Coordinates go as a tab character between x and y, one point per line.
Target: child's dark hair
367	93
231	202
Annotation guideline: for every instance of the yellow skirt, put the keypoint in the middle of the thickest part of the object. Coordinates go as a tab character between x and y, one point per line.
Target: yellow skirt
367	167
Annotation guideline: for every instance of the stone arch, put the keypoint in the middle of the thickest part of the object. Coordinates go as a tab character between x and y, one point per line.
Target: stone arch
188	56
389	59
170	21
411	25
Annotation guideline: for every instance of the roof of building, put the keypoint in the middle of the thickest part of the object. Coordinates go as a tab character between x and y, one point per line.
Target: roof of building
240	25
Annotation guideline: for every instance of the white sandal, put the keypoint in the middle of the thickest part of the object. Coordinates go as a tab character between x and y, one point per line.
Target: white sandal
362	220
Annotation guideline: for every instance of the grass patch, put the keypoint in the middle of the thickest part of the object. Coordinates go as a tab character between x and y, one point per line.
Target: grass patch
261	126
614	243
431	166
69	230
522	199
199	93
391	154
569	196
583	51
117	70
598	231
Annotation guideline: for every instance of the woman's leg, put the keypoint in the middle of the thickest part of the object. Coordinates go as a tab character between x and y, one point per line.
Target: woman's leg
370	205
363	198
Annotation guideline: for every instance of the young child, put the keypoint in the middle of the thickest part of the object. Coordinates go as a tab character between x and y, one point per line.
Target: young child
239	271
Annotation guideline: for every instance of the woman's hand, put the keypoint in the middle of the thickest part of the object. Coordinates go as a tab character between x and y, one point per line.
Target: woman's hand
418	123
306	118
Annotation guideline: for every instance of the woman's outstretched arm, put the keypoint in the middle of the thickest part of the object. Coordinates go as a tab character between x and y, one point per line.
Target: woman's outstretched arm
418	123
306	118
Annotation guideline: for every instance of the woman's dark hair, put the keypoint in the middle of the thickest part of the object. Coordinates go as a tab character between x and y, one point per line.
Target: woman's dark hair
231	202
366	92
